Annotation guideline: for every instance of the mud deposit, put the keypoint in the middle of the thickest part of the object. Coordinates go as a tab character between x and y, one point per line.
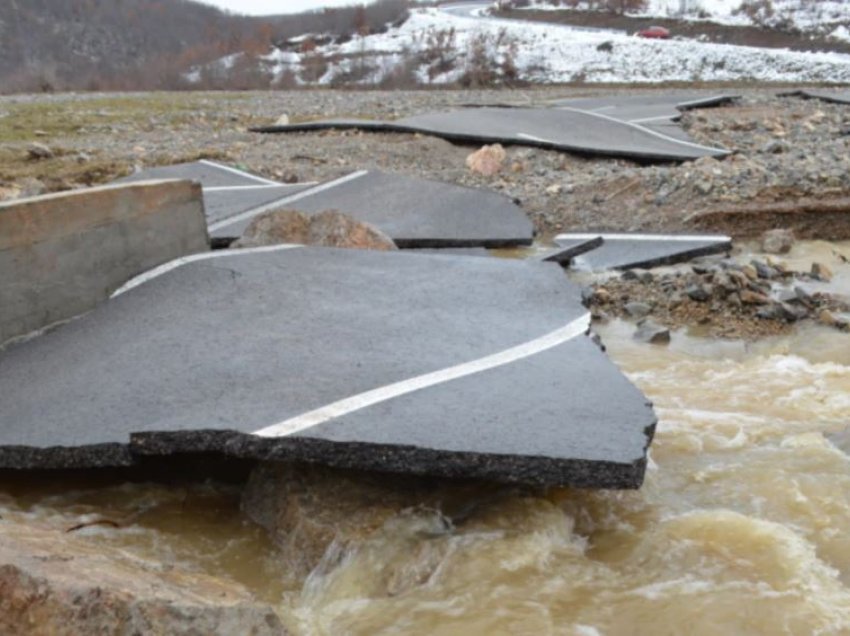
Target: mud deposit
742	527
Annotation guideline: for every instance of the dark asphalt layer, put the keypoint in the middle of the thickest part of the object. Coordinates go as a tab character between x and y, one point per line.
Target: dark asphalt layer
418	213
836	97
223	205
625	251
227	192
562	128
636	108
570	248
203	356
208	174
413	212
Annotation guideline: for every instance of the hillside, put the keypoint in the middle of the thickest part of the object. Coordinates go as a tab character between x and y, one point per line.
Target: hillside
814	17
146	44
462	45
93	43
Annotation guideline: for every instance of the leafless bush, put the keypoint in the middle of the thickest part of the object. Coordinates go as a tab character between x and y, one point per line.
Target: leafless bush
314	65
491	60
287	80
402	75
356	71
439	52
758	11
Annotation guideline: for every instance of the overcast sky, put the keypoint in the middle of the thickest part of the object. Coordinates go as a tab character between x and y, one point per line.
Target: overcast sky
275	7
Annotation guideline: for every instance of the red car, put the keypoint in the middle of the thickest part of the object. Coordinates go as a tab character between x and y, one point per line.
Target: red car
655	32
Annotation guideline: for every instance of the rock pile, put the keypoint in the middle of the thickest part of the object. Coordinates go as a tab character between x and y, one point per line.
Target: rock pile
726	299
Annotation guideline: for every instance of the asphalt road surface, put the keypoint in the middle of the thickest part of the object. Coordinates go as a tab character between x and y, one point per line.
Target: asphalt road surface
562	128
413	212
440	365
631	251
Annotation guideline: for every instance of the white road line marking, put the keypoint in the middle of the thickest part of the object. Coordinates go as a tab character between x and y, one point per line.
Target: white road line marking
241	173
652	133
660	118
310	419
259	187
203	256
644	237
533	138
290	199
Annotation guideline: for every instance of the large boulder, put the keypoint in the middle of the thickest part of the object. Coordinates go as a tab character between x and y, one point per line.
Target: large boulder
328	229
487	161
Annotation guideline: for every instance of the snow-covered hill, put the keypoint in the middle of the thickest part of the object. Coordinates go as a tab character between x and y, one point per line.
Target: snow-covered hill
436	46
823	17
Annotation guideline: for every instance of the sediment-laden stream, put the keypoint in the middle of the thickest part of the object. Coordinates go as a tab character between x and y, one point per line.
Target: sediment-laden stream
742	526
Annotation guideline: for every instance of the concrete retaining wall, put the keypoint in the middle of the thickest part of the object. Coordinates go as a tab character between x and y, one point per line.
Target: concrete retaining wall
62	254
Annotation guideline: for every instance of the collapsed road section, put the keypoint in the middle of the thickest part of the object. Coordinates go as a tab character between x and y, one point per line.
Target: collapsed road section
228	191
632	250
414	212
657	112
565	128
392	361
62	254
832	96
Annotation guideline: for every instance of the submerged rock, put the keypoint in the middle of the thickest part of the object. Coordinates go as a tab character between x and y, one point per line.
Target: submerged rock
329	229
821	272
53	583
317	514
652	333
778	241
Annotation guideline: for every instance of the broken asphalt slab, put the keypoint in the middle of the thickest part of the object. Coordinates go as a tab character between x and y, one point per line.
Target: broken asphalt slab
630	251
565	129
413	212
568	249
63	254
228	191
835	97
209	174
657	112
392	361
640	109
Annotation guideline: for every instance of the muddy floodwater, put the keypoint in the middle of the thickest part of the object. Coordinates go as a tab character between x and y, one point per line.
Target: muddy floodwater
742	526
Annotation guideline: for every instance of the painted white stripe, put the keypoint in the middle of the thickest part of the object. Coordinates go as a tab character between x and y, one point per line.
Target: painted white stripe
290	199
649	119
533	138
258	187
644	237
241	173
390	391
203	256
652	133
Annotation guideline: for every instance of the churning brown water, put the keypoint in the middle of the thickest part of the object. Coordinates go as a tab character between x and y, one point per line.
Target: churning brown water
742	526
